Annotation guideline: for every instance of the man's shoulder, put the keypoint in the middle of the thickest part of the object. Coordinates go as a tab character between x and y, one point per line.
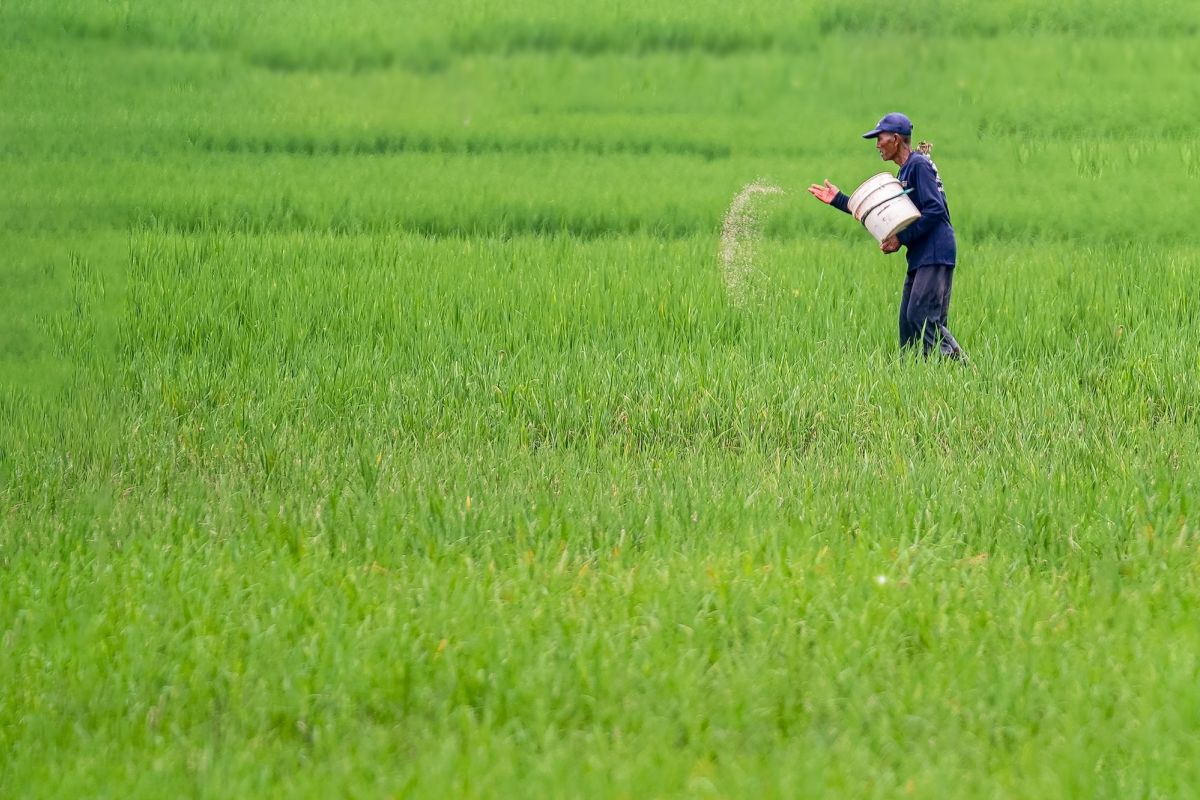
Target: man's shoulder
919	164
919	161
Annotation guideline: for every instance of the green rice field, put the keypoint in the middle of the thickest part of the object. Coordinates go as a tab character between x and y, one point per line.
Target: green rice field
375	420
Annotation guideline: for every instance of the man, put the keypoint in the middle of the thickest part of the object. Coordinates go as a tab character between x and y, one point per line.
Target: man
931	249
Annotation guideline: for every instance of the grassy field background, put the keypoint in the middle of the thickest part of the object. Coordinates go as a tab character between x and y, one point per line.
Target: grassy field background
374	420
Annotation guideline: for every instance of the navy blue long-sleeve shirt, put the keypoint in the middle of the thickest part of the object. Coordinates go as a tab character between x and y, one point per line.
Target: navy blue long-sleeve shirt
929	240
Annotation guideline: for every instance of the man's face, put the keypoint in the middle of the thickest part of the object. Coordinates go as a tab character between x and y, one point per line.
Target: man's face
887	144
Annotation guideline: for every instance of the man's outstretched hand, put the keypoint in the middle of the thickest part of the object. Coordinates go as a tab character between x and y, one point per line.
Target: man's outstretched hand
824	193
890	244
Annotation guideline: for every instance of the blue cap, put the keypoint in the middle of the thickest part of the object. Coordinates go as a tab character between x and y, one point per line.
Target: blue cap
892	123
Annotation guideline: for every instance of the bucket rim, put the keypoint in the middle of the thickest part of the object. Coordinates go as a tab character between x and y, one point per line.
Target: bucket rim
887	178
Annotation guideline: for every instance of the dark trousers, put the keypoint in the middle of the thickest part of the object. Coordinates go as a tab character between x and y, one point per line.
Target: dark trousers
925	310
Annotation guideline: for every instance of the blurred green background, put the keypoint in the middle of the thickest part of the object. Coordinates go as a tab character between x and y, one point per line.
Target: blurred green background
374	420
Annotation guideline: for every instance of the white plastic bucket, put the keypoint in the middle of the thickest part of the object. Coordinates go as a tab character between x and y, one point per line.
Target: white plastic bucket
881	204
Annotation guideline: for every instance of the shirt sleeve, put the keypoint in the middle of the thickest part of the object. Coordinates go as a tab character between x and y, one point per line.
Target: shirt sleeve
840	201
930	201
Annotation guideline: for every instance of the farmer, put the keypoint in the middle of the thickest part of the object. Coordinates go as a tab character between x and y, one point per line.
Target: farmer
930	245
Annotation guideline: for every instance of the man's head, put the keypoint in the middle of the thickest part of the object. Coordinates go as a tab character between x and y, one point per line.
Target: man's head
891	123
892	135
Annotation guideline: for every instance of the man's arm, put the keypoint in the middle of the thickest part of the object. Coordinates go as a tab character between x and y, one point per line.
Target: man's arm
929	201
830	195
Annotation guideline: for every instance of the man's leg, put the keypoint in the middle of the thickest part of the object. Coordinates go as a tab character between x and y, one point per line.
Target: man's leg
929	308
908	333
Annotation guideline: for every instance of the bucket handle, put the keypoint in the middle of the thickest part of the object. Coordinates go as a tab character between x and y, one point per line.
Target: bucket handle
867	213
